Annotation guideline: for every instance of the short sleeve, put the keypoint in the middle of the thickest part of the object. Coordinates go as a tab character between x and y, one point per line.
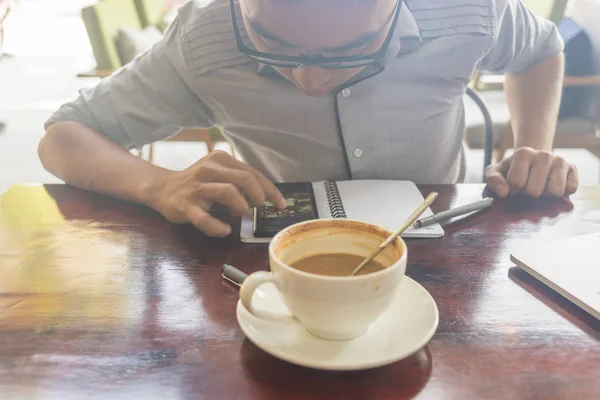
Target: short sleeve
145	101
522	39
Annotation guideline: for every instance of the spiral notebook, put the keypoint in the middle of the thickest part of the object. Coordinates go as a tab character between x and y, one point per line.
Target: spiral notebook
385	203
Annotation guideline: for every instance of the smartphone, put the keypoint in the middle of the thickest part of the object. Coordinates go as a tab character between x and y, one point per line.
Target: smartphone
301	206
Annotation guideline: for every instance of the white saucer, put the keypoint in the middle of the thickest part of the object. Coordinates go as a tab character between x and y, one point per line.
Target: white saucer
406	327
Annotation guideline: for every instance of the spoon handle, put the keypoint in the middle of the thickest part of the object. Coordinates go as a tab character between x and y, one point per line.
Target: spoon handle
412	218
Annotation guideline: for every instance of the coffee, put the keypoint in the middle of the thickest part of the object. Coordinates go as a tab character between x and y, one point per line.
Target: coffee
336	264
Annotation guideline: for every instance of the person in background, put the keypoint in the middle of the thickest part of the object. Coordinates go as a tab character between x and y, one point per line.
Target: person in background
313	90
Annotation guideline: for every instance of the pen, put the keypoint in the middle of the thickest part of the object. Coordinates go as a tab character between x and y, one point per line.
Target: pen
233	275
445	215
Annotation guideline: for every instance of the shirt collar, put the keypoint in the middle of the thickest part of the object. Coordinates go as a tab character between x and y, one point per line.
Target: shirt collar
405	39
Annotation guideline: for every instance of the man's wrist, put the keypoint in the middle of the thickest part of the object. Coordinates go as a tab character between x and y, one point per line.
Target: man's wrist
536	141
150	186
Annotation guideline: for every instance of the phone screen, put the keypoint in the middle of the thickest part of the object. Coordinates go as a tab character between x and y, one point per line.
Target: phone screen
301	206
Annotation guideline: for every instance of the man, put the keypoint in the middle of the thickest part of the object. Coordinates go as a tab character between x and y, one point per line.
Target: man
315	89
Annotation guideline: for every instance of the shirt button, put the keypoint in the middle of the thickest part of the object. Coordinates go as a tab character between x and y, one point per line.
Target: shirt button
346	92
358	153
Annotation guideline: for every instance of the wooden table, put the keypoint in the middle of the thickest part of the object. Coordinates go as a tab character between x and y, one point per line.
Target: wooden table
104	299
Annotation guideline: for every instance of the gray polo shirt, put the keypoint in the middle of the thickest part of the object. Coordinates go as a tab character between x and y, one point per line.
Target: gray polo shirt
400	119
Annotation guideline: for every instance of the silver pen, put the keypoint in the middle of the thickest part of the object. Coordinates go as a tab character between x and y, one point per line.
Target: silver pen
232	274
454	212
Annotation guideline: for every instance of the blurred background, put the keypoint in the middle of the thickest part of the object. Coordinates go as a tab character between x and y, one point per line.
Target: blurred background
49	49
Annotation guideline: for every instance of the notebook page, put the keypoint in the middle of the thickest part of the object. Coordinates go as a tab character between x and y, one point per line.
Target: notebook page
385	203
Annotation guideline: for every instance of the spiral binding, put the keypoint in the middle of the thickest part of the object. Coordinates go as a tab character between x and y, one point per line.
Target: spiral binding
335	201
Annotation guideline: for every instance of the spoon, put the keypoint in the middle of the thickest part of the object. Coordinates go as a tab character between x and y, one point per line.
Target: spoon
413	217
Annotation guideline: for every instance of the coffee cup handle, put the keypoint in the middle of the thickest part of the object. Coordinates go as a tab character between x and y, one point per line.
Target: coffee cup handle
251	283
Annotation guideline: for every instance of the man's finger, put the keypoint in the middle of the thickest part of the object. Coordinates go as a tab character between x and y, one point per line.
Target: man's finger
496	181
245	181
557	180
271	192
208	224
518	172
572	180
538	174
226	194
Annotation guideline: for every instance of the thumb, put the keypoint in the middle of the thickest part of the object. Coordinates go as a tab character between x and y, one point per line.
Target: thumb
495	179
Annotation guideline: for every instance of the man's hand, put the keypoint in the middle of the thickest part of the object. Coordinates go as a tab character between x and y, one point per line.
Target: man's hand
186	196
532	172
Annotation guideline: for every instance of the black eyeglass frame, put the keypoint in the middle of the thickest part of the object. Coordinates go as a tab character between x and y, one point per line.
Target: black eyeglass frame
280	60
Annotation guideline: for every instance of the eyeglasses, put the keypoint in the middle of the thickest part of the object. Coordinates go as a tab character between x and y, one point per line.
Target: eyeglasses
279	60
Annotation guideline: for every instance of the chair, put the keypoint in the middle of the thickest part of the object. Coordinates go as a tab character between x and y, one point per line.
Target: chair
152	13
488	138
103	21
571	133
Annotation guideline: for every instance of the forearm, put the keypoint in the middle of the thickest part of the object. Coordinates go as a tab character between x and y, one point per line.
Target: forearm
533	100
87	159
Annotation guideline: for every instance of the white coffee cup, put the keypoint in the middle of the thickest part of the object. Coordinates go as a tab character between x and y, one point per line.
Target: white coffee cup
331	307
